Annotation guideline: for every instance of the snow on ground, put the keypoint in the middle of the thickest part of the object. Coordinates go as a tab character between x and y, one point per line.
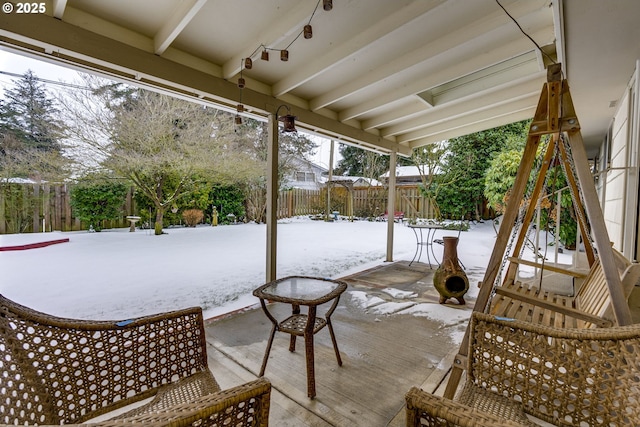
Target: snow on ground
115	274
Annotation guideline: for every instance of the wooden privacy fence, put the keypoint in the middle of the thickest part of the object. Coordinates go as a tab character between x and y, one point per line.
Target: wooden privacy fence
372	201
299	201
34	208
366	202
27	208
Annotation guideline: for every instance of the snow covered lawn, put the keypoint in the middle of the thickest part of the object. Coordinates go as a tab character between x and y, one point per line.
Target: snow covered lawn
115	274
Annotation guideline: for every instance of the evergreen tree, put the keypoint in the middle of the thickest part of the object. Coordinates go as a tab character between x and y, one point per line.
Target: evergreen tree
30	115
352	162
31	133
465	167
357	161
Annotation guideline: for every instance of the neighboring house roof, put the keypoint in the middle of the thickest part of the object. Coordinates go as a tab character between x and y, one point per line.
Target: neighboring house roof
409	171
19	181
358	181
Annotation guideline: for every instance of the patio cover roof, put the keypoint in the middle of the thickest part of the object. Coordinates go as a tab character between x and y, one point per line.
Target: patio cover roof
387	75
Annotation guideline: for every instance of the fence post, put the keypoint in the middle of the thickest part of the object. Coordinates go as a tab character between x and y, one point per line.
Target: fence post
36	208
3	221
290	203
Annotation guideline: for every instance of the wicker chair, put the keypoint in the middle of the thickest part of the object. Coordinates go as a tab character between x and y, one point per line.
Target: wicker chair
64	371
566	377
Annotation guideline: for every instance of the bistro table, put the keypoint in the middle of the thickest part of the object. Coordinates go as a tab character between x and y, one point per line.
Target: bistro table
422	241
302	291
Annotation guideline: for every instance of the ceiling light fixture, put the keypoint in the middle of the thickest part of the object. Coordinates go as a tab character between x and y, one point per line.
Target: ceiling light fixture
308	31
248	63
284	55
327	5
265	55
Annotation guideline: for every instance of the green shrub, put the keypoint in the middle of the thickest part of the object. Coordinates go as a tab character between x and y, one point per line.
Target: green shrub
95	202
228	200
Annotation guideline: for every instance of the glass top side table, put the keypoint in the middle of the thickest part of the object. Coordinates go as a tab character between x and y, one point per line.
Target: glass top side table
302	291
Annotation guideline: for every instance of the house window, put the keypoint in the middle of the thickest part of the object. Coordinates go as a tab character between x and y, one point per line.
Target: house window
305	176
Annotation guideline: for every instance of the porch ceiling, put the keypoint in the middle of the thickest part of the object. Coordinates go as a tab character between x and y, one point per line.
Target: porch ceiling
388	75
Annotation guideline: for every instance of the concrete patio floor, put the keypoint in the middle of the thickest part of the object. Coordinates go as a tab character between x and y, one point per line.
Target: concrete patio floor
383	355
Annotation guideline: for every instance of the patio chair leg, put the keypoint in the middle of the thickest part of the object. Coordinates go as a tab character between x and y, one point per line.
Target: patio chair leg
335	343
268	350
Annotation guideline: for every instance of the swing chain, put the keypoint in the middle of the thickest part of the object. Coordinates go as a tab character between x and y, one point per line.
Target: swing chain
520	219
576	198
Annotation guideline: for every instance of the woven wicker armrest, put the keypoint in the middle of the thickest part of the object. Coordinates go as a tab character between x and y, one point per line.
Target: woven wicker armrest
246	405
428	410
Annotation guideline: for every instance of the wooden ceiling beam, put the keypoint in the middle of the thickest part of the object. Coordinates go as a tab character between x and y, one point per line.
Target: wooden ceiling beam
475	36
443	68
350	48
183	14
483	99
72	44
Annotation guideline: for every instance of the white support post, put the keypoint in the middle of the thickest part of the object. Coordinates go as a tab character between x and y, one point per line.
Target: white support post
272	198
391	204
327	215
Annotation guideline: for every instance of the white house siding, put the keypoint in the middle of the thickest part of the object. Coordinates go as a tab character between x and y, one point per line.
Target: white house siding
618	186
614	202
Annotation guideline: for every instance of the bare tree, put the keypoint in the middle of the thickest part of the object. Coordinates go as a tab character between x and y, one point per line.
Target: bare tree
164	145
254	140
428	160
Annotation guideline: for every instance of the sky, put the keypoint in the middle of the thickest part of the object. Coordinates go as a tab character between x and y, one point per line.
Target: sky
19	64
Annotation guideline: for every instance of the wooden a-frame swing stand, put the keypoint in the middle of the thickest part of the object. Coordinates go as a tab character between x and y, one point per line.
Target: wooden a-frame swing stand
555	116
531	354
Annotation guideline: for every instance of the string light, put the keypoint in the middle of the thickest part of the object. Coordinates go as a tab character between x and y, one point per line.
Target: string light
307	32
247	63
